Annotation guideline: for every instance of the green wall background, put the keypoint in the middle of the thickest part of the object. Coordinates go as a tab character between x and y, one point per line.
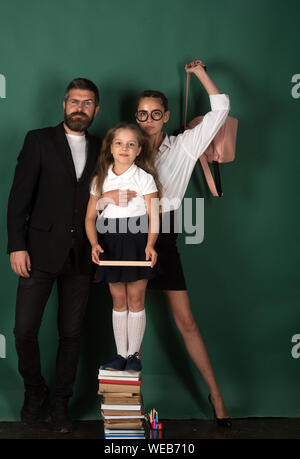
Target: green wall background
244	278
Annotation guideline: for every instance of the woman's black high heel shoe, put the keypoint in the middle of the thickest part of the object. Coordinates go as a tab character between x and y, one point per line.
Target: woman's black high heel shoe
223	422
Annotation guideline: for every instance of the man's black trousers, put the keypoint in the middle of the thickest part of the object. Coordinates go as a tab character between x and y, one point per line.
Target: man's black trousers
32	296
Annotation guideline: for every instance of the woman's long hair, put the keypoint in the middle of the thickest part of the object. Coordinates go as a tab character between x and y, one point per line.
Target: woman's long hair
145	160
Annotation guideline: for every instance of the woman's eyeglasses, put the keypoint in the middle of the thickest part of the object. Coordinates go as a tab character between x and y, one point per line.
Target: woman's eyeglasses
143	115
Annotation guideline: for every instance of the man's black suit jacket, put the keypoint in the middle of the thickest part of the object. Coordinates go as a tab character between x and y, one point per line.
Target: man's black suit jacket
47	205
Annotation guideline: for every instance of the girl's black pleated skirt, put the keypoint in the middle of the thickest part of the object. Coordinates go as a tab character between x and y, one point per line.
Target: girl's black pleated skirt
170	275
120	243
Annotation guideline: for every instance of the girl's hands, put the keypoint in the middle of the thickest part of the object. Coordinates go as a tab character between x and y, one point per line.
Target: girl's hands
117	197
152	254
195	67
96	249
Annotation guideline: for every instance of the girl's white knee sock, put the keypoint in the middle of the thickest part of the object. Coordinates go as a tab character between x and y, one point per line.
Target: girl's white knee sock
136	329
120	327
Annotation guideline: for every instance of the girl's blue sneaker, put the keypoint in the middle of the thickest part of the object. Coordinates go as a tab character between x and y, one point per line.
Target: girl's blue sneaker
133	363
117	364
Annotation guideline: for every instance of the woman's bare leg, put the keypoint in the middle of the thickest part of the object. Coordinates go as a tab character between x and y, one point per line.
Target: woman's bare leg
180	306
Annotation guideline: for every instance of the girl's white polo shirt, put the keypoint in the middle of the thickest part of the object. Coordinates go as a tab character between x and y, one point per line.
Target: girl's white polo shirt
135	179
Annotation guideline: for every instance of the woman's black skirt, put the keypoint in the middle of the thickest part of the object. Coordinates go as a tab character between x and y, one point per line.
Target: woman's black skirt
122	241
170	276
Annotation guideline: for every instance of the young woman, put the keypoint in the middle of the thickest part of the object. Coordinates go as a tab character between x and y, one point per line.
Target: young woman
125	161
175	158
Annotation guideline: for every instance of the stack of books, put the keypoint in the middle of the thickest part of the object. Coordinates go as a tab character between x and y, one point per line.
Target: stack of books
121	407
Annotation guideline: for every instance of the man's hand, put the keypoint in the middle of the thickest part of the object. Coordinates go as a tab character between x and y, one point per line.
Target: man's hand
20	263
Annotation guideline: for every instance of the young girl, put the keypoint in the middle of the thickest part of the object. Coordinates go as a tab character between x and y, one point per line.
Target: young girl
175	159
125	162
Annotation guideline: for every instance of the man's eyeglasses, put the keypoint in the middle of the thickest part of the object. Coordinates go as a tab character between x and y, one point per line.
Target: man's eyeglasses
75	103
143	115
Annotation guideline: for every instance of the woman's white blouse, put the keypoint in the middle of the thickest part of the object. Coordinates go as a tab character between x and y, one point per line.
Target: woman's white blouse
135	179
178	155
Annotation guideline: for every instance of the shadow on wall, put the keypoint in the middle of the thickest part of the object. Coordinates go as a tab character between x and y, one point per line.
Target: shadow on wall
12	392
170	341
98	347
257	112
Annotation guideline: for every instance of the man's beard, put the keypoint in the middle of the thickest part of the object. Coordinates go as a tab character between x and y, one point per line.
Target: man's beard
78	124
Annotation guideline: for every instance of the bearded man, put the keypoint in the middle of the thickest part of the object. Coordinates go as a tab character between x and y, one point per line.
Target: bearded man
47	243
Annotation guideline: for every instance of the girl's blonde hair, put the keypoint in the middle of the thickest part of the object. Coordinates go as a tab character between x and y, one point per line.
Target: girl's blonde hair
145	160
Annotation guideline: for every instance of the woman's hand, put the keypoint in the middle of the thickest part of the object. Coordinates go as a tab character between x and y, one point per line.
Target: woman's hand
151	253
96	249
195	67
199	69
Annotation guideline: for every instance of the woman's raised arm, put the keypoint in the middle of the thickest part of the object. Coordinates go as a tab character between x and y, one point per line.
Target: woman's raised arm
198	68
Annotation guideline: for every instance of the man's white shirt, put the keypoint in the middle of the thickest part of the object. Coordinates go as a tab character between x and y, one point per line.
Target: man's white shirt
77	145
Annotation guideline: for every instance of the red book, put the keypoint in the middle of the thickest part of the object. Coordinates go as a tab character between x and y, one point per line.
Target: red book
114	381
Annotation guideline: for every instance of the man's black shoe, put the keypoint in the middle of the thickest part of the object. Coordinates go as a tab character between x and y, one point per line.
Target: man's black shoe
59	416
34	404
